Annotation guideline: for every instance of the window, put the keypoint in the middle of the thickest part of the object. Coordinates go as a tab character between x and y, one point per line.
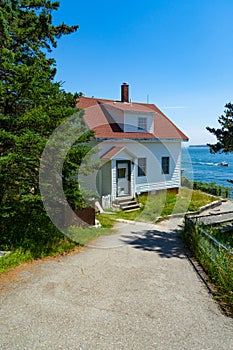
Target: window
141	166
121	173
142	123
165	165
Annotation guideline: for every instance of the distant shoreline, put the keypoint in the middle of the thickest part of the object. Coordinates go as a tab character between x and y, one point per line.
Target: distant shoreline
198	146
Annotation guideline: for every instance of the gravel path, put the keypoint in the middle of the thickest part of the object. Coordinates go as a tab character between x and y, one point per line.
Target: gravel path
132	290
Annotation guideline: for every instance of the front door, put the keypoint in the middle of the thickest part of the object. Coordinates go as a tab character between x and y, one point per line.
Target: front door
123	178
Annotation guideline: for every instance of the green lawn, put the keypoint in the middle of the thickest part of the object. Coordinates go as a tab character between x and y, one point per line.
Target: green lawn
162	204
152	206
77	237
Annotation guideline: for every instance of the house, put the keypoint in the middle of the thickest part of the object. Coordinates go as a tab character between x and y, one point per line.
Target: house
140	148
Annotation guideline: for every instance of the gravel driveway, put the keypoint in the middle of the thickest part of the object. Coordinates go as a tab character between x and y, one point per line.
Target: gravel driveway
132	290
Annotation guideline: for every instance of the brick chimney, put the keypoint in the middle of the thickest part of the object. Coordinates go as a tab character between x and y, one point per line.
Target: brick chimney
125	92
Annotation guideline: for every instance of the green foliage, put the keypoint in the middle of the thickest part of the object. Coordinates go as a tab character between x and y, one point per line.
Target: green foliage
217	261
224	234
27	33
49	242
207	187
14	259
21	256
224	134
106	220
186	182
162	204
32	105
85	235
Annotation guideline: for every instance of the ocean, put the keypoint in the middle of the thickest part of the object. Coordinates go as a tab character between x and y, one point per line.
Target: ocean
200	165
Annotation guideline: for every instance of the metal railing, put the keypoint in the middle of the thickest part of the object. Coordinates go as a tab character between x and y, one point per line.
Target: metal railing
216	257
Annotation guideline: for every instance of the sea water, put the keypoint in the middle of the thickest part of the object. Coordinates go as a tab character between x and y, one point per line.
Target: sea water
200	165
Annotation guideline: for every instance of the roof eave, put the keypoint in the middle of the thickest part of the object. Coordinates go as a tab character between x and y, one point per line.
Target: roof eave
101	139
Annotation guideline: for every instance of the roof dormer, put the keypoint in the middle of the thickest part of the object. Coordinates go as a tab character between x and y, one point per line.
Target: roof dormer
131	117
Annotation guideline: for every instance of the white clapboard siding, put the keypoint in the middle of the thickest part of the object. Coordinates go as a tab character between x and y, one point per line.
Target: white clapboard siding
153	151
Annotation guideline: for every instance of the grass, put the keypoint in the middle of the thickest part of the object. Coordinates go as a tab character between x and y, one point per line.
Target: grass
186	200
14	259
220	272
77	237
223	235
216	261
21	255
82	236
200	199
162	204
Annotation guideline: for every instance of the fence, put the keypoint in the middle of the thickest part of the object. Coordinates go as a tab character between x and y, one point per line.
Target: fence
106	202
215	257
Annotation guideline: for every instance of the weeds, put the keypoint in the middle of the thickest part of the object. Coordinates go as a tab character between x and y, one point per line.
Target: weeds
22	255
30	250
216	260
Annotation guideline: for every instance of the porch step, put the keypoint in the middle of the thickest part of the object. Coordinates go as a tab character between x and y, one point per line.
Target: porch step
121	200
130	207
127	204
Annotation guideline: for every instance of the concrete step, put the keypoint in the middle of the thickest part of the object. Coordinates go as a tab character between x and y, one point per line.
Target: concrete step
122	204
123	200
127	203
130	206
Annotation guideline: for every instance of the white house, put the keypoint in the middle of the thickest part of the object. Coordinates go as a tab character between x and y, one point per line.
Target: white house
139	146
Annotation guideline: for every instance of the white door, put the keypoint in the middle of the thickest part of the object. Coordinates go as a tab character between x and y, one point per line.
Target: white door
123	178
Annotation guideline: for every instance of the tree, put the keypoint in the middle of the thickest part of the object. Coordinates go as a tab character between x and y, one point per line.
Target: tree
224	134
32	105
26	34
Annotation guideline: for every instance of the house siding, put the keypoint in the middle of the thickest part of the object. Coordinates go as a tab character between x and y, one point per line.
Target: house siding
154	151
161	139
132	179
106	178
131	122
155	179
114	180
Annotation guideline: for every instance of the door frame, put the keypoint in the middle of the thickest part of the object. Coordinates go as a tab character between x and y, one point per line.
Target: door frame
128	162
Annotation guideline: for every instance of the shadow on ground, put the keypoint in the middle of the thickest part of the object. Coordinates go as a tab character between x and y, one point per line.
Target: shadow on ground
165	244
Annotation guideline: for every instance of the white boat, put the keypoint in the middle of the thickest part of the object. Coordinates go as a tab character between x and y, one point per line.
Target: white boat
223	164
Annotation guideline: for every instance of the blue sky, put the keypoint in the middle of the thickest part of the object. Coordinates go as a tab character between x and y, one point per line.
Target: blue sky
177	52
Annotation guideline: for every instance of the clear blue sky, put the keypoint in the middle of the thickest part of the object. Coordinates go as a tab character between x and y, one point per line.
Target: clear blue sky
179	52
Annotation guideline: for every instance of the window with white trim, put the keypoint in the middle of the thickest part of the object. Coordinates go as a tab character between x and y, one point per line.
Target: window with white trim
142	124
141	166
165	165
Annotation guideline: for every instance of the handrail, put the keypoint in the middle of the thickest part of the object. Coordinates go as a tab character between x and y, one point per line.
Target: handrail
219	244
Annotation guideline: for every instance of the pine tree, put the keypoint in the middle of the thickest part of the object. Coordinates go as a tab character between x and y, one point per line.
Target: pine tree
224	134
32	105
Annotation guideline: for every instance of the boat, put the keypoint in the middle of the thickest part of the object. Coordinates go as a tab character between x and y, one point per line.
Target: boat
223	164
230	180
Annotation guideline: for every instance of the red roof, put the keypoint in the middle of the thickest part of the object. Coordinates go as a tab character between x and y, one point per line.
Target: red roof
112	152
129	106
99	120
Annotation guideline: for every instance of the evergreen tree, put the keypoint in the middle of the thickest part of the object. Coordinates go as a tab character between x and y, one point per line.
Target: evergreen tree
224	134
32	105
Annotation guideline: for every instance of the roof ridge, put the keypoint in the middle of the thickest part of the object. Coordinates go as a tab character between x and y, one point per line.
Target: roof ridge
100	120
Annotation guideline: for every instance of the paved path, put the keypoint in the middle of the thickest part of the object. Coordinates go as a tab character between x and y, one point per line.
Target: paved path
219	214
132	290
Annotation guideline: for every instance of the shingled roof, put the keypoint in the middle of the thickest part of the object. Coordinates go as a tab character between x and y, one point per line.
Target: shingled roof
99	120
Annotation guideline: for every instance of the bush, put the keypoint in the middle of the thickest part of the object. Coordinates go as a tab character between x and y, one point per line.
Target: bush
207	187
